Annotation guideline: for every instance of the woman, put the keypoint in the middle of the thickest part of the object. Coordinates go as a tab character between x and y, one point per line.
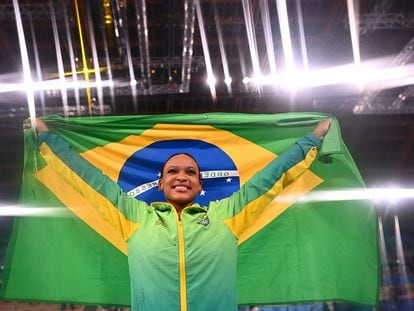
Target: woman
181	256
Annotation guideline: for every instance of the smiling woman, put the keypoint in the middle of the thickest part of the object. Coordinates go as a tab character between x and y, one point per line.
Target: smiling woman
181	256
180	181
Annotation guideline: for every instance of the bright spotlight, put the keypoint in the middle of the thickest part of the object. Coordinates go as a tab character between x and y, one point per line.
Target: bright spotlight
246	80
258	80
211	81
133	82
228	80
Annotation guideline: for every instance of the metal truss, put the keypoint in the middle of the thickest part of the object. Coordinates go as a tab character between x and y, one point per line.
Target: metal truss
157	62
187	56
382	6
366	101
20	109
405	97
34	11
120	30
71	111
127	90
172	88
380	19
375	21
142	30
175	62
382	105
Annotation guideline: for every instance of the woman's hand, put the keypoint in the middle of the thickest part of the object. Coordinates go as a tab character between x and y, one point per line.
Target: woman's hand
39	124
322	128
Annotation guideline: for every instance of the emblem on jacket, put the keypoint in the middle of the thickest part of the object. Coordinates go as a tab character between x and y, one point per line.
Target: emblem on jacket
204	221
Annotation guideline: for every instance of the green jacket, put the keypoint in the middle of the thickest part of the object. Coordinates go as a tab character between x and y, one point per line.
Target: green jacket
188	264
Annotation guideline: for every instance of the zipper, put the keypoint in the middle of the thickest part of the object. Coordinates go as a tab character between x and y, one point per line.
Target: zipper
181	251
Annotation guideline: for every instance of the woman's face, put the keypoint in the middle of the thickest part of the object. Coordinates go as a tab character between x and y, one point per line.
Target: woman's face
180	180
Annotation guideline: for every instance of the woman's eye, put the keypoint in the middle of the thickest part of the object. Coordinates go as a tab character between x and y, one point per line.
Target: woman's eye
171	171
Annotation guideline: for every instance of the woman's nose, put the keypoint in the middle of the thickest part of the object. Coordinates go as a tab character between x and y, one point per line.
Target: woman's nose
181	177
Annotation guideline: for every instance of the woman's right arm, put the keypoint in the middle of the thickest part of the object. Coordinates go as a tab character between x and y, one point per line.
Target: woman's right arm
106	197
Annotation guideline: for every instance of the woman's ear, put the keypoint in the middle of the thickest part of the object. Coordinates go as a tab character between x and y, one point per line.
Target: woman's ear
201	186
160	185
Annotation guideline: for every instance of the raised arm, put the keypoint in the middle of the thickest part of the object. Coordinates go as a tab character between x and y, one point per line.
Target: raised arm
113	205
244	206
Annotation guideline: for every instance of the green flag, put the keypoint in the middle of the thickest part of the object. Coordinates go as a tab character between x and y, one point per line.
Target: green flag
298	250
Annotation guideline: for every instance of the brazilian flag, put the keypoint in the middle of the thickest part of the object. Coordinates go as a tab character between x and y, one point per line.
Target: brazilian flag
299	250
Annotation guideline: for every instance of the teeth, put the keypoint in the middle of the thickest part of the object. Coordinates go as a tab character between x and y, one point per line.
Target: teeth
180	188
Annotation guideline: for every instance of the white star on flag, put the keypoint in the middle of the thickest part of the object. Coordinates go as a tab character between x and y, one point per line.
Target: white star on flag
202	193
228	180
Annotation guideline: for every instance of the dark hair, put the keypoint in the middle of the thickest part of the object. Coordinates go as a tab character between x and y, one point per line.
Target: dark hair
178	153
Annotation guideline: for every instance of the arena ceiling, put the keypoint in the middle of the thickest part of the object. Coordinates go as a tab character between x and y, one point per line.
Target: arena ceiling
352	59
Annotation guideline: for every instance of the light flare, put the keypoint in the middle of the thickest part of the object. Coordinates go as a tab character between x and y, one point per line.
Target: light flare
302	36
268	35
251	36
209	67
226	71
109	69
142	32
55	84
212	81
240	53
386	271
84	59
21	210
402	267
285	34
72	57
37	61
371	194
27	76
59	58
353	16
346	74
92	40
133	81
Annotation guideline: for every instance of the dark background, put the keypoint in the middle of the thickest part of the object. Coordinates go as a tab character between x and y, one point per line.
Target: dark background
380	136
